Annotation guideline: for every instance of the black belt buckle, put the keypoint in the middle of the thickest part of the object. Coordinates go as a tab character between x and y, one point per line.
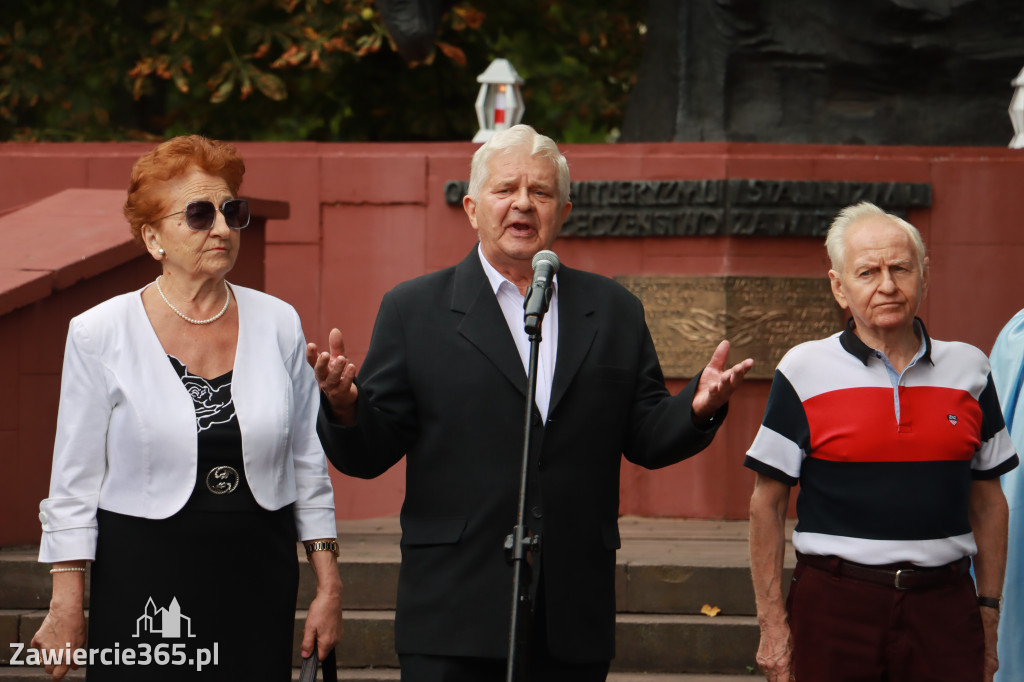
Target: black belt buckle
896	580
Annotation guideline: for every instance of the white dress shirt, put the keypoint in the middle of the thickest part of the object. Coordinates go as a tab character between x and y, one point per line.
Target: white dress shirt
512	305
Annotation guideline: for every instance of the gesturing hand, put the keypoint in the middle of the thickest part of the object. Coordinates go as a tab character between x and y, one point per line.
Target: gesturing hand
718	383
336	377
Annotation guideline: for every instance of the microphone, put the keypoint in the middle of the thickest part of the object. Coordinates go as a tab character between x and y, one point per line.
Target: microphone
538	296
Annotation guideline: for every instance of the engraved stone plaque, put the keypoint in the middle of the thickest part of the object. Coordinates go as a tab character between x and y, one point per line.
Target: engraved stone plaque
709	208
762	317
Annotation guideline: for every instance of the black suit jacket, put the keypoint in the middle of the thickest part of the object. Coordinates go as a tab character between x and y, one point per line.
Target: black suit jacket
443	385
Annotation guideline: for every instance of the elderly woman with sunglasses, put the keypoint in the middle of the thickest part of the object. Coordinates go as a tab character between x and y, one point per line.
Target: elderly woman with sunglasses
186	463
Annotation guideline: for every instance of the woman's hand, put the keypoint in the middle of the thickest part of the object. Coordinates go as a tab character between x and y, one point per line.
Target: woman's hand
323	624
63	629
323	620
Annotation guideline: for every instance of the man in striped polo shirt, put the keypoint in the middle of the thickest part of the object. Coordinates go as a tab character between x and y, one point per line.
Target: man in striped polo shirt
897	442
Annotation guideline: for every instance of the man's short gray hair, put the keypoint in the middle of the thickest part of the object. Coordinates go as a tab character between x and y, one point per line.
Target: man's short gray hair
835	241
518	137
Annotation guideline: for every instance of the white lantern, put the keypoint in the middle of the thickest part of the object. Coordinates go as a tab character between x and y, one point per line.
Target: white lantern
500	102
1017	112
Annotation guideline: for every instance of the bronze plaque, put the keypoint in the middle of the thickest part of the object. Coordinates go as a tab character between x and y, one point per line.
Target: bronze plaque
762	317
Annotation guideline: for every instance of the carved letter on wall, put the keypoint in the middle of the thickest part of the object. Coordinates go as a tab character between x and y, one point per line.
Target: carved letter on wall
763	317
739	207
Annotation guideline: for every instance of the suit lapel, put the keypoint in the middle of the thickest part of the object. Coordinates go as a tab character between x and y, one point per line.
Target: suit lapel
577	327
483	324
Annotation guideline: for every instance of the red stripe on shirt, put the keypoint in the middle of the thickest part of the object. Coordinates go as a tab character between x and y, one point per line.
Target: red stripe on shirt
859	425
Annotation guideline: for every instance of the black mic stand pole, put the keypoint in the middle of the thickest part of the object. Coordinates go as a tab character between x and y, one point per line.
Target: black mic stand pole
520	542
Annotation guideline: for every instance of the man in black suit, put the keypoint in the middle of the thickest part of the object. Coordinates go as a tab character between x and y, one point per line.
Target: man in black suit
444	384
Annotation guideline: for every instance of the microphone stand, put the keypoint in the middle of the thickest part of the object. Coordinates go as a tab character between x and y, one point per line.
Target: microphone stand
521	541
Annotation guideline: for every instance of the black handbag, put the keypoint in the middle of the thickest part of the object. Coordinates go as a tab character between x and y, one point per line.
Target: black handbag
329	667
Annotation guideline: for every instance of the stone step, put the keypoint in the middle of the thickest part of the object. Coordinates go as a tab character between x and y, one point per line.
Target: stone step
664	566
644	642
643	585
668	571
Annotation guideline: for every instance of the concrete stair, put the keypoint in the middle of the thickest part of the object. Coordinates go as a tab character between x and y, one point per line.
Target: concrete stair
668	571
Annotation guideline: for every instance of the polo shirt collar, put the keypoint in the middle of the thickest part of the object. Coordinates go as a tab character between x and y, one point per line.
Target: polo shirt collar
854	346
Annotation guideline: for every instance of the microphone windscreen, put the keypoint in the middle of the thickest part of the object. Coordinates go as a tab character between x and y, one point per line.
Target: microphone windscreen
546	256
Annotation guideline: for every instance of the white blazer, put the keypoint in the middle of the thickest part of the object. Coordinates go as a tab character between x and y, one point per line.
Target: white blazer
126	426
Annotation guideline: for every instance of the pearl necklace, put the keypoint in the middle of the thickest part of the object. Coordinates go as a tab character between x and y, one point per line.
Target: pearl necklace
190	319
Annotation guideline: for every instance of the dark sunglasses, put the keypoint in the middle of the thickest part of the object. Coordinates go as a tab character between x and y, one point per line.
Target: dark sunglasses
200	215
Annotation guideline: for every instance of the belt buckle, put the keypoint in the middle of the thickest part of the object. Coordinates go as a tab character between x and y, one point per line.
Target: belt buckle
222	480
896	581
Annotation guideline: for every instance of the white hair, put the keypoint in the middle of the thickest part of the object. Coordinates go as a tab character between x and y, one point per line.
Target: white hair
835	241
518	137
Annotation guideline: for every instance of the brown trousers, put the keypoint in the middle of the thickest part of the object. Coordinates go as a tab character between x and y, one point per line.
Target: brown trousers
847	630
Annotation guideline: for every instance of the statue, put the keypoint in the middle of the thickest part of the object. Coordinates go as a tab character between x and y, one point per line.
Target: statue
913	72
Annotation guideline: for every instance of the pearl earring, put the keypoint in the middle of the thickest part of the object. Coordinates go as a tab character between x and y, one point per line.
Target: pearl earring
161	252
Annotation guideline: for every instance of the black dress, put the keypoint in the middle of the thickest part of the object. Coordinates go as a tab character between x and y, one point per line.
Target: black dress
208	593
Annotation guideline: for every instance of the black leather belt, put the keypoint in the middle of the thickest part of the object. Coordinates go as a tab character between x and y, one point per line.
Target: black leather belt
897	577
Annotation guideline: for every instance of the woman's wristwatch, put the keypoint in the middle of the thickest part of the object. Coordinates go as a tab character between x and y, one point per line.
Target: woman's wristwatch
990	602
321	546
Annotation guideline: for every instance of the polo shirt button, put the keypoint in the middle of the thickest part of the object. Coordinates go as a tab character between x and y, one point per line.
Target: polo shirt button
43	517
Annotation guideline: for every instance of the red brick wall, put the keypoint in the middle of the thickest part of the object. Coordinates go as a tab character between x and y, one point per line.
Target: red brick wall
364	217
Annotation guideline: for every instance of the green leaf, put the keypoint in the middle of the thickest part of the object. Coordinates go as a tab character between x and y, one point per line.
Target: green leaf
180	81
271	86
223	91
